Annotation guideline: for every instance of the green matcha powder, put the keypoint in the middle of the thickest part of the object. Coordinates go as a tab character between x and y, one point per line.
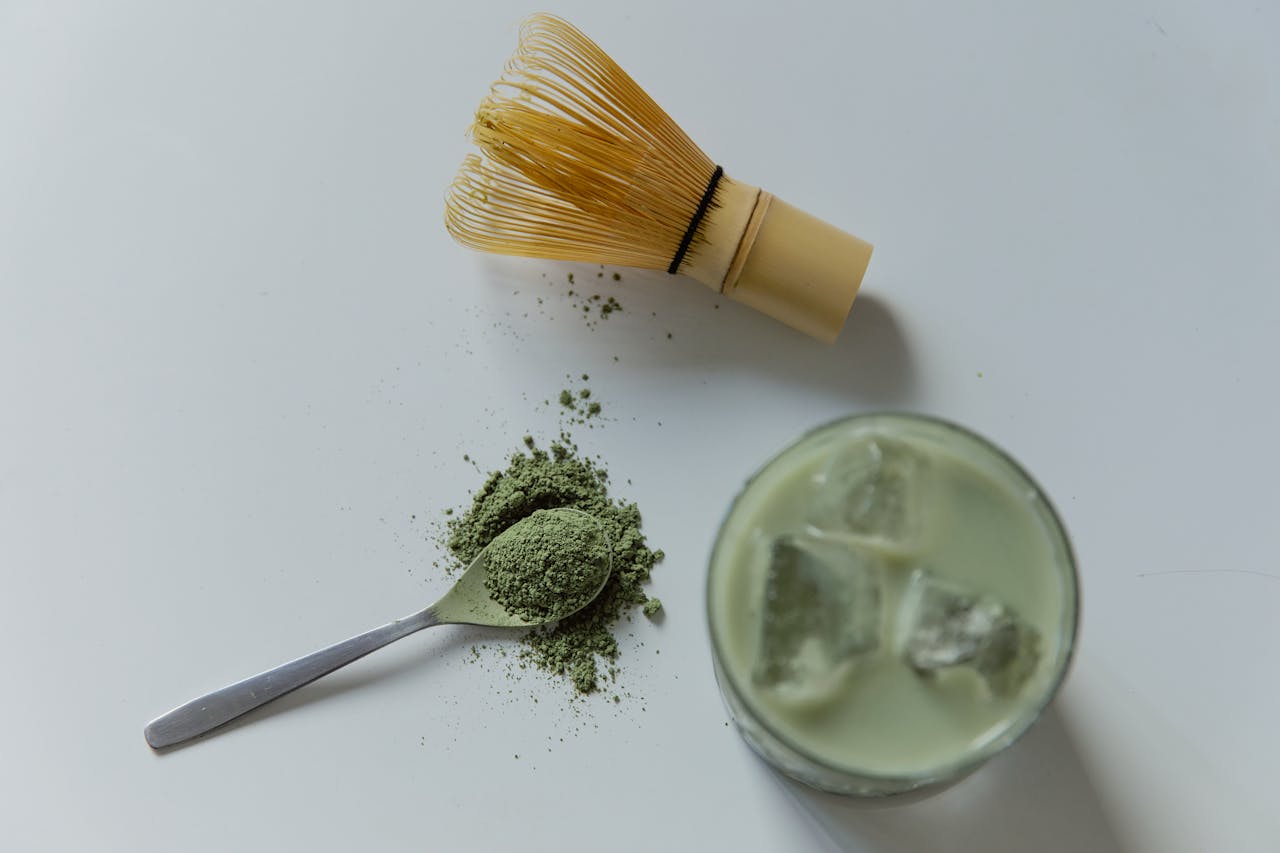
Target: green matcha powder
541	480
547	565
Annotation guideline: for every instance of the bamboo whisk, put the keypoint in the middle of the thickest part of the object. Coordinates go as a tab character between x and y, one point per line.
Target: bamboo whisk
578	163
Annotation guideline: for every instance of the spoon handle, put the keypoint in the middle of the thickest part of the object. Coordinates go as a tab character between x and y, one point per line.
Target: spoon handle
222	706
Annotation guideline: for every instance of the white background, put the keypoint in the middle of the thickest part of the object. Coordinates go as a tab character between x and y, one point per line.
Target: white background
241	361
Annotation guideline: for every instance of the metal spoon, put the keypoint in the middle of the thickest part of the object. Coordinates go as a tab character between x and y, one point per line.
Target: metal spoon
467	603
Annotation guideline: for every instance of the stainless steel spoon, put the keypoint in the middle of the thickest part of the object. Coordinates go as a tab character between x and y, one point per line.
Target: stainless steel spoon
467	603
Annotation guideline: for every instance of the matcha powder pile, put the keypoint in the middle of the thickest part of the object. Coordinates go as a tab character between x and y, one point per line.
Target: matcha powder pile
541	480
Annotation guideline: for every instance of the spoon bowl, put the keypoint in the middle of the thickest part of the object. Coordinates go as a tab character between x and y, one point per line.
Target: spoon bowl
468	602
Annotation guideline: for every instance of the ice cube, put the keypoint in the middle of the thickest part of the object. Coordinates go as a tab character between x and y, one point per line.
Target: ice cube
941	625
821	615
874	489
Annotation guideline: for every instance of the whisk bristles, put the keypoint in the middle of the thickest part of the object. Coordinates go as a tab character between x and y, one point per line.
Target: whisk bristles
577	162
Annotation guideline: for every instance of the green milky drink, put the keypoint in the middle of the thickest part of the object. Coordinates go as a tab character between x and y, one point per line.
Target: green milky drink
892	600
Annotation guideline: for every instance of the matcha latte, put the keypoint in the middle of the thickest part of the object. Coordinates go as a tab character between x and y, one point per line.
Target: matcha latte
892	600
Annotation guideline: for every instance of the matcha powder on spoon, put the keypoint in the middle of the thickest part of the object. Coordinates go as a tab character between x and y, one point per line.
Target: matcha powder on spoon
541	480
547	565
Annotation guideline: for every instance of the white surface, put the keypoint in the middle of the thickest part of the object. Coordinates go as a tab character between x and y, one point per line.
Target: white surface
238	354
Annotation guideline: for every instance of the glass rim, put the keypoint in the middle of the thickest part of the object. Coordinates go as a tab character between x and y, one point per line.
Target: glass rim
1071	621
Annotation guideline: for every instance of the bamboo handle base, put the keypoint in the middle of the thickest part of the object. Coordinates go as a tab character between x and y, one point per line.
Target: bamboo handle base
783	262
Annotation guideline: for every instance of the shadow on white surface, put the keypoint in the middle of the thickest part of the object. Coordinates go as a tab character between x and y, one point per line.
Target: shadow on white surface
871	361
1037	796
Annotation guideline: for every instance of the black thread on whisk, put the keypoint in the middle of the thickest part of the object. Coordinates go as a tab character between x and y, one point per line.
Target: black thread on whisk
697	218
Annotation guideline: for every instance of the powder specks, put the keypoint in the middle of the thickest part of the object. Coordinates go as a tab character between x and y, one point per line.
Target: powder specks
592	307
580	406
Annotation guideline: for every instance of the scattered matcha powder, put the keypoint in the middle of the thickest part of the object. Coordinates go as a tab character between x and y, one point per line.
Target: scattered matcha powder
586	301
561	478
579	405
